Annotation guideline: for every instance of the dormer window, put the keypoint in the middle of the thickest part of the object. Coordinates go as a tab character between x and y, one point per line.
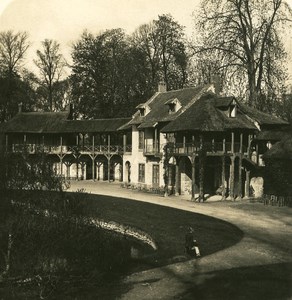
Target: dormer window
173	105
143	109
233	109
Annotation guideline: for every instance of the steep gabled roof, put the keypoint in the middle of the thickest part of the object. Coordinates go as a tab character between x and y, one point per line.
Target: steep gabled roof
261	117
204	115
159	111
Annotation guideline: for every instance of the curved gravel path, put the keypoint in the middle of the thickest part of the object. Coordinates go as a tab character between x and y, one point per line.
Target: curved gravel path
258	267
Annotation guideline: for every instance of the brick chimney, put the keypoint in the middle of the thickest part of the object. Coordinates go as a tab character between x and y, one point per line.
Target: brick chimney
161	87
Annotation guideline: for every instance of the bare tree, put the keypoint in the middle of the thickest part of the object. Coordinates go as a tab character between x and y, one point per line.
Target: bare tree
12	50
245	35
51	65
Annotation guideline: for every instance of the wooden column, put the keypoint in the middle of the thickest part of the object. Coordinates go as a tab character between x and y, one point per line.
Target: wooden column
232	142
248	146
201	170
240	178
232	167
77	140
93	158
193	177
155	140
6	141
108	142
247	184
177	178
223	179
125	142
109	169
224	145
257	151
241	142
61	157
184	143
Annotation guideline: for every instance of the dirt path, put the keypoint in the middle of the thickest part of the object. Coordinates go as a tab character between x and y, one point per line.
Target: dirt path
265	249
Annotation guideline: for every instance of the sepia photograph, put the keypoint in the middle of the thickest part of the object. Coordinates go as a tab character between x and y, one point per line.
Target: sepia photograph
146	149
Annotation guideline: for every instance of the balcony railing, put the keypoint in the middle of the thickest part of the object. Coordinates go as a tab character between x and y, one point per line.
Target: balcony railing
209	147
152	149
49	149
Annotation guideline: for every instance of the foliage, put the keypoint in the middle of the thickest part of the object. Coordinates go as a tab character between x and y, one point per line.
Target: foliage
13	88
163	43
246	37
52	241
112	72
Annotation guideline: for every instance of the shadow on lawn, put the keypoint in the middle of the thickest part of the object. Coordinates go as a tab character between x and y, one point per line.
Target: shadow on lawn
273	281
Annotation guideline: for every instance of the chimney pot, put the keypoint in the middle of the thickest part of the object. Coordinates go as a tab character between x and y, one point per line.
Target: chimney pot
162	87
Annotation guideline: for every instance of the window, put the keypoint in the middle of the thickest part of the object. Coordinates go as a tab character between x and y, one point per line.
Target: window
155	176
141	173
141	140
233	111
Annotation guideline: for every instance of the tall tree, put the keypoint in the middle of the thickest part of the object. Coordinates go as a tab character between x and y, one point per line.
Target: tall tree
13	47
50	63
163	43
108	75
245	35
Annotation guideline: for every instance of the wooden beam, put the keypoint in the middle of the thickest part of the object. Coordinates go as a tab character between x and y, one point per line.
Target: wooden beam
223	179
232	142
193	177
232	169
239	179
247	184
177	179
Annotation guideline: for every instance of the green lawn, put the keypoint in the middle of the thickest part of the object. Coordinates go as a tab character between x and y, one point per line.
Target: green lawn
167	226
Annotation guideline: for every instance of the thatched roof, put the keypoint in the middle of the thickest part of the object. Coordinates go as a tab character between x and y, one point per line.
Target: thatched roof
261	117
96	125
204	115
58	122
159	111
36	122
272	135
281	150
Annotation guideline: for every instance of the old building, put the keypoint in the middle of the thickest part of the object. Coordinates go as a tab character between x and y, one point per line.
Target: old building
190	140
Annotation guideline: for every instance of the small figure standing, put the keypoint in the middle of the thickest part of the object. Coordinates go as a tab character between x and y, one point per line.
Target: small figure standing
191	244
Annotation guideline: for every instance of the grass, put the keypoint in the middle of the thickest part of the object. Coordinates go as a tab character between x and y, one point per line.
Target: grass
167	226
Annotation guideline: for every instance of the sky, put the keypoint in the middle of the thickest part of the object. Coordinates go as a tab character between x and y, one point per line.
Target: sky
65	20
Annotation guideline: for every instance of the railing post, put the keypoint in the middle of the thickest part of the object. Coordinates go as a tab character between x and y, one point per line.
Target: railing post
232	142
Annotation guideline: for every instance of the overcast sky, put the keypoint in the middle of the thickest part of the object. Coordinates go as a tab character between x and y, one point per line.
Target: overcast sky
64	20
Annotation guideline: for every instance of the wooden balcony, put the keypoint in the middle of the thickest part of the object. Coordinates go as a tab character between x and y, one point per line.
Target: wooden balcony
59	150
153	150
211	148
